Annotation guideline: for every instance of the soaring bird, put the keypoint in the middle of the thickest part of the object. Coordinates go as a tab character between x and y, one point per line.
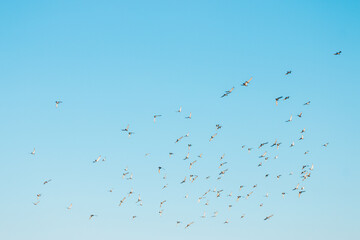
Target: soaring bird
70	206
212	137
33	152
227	92
57	103
179	111
277	100
268	217
97	160
307	103
300	115
337	53
47	181
288	72
290	119
155	116
189	117
126	129
122	201
91	216
325	145
247	82
189	224
36	203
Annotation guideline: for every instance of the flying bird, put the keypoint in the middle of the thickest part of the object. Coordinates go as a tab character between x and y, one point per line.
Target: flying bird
245	84
57	103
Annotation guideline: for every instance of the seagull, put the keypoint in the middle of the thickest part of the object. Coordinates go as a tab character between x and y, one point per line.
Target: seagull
189	117
69	207
97	160
297	187
218	126
130	133
91	216
300	192
227	221
179	111
177	140
122	201
227	92
57	103
212	137
183	181
155	116
299	115
170	154
38	196
33	152
247	82
126	129
289	119
139	199
192	164
324	145
302	131
277	100
274	144
307	103
288	72
159	168
268	217
262	144
337	53
302	137
286	98
36	203
293	144
47	181
263	155
189	224
200	156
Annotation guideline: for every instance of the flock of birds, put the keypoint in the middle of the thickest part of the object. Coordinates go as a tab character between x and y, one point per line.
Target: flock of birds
305	171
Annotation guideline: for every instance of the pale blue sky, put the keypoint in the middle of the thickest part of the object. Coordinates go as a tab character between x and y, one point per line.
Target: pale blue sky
114	63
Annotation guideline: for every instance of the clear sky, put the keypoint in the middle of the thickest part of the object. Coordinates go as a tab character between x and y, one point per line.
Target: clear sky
114	63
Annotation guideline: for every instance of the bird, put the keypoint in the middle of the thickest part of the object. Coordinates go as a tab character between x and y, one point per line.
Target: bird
130	133
300	192
293	144
126	129
245	84
297	187
177	140
57	103
277	100
36	203
212	137
288	72
33	152
159	168
122	201
290	119
91	216
325	145
218	126
189	224
179	111
228	92
337	53
307	103
70	206
262	144
155	116
47	181
302	137
189	117
192	164
268	217
300	115
286	98
97	160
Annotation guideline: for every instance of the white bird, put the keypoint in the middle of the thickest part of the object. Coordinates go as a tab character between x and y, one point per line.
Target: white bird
189	117
97	160
179	111
289	119
247	82
33	152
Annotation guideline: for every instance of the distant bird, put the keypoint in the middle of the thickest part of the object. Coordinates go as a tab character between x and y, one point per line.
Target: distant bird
290	119
268	217
277	100
179	111
189	224
297	187
286	98
288	72
302	137
299	115
212	137
293	144
155	116
70	206
300	192
33	152
325	145
47	181
247	82
36	203
97	160
183	181
189	117
337	53
262	144
228	92
177	140
192	164
126	129
122	201
159	168
218	126
57	103
307	103
130	133
170	154
91	216
302	131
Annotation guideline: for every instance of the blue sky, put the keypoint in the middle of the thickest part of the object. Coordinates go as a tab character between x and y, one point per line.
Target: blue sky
115	63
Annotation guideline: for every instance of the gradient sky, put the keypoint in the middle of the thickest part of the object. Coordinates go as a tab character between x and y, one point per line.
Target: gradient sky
114	63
